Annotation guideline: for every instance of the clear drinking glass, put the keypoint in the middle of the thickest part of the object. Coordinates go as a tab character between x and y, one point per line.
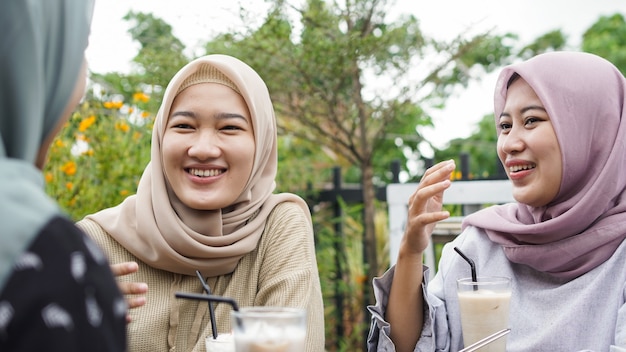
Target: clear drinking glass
484	305
223	343
265	329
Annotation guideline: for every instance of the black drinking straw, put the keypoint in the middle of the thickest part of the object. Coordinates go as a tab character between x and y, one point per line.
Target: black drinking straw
209	298
211	310
472	266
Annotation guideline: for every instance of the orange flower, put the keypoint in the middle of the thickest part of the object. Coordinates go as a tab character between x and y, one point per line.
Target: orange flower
69	168
59	143
49	177
123	192
145	114
360	279
140	96
121	126
86	123
113	104
69	186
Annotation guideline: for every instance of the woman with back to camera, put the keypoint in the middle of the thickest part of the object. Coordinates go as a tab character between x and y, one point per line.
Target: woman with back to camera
56	290
562	141
205	202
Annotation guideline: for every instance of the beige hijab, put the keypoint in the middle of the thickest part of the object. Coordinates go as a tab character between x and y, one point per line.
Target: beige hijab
163	232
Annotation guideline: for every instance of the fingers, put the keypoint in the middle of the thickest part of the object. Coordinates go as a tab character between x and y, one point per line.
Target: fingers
429	193
125	268
133	291
133	288
439	172
134	302
426	207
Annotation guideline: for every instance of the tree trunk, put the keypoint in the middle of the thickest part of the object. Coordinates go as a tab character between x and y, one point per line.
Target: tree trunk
369	236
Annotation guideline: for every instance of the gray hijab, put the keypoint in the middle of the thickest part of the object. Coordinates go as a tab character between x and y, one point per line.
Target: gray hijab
42	45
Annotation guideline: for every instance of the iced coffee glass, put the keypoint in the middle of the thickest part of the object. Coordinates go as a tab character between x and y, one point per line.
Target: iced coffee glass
223	343
265	329
484	306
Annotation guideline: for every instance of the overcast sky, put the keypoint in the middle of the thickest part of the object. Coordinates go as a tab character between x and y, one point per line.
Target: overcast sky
193	21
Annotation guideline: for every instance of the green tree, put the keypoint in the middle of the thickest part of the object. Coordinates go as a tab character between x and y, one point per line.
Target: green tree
160	56
344	76
607	38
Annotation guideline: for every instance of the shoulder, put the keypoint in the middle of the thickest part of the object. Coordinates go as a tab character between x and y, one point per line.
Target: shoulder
60	235
288	210
113	249
287	228
288	218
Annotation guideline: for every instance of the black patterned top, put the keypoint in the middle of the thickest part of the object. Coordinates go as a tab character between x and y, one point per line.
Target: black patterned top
62	296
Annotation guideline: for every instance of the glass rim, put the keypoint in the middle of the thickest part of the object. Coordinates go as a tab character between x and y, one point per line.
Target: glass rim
258	311
484	280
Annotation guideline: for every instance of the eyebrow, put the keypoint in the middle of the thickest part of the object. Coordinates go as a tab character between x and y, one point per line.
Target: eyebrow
525	109
219	116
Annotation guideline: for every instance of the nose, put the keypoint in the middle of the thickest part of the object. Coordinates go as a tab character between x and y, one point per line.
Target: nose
204	145
511	142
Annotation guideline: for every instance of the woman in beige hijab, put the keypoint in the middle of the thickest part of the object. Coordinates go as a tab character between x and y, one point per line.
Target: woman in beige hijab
205	202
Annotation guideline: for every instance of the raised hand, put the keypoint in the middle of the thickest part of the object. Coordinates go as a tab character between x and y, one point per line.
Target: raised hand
425	207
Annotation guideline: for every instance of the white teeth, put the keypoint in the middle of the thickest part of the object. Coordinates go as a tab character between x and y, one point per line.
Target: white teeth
521	167
205	173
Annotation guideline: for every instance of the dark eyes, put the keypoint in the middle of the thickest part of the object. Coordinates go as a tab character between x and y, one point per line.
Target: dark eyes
528	122
185	126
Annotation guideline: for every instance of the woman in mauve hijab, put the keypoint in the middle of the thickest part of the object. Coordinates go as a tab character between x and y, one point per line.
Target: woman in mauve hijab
206	203
562	141
56	290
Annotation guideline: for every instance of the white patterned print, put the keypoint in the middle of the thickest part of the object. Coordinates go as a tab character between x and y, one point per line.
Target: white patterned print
120	307
78	266
95	251
6	315
56	317
94	312
28	260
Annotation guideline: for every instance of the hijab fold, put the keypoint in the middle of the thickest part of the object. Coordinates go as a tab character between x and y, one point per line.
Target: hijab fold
163	232
582	227
42	45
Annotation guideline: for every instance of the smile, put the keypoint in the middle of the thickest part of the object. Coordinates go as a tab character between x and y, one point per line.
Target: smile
517	168
205	173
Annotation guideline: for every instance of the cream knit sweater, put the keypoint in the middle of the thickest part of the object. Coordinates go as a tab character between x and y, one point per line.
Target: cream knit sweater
282	271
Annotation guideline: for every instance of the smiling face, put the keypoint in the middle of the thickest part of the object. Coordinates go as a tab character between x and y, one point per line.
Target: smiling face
208	146
528	147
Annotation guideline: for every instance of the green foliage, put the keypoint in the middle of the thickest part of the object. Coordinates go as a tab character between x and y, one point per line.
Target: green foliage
481	148
607	38
554	40
97	159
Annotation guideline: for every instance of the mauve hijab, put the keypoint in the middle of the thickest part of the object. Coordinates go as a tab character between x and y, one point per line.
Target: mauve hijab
582	227
159	229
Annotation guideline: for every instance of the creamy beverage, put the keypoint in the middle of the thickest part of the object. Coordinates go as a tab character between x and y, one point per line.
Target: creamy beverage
223	343
484	310
289	342
269	329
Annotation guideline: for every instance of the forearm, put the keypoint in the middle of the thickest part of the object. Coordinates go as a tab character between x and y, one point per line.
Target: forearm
405	310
